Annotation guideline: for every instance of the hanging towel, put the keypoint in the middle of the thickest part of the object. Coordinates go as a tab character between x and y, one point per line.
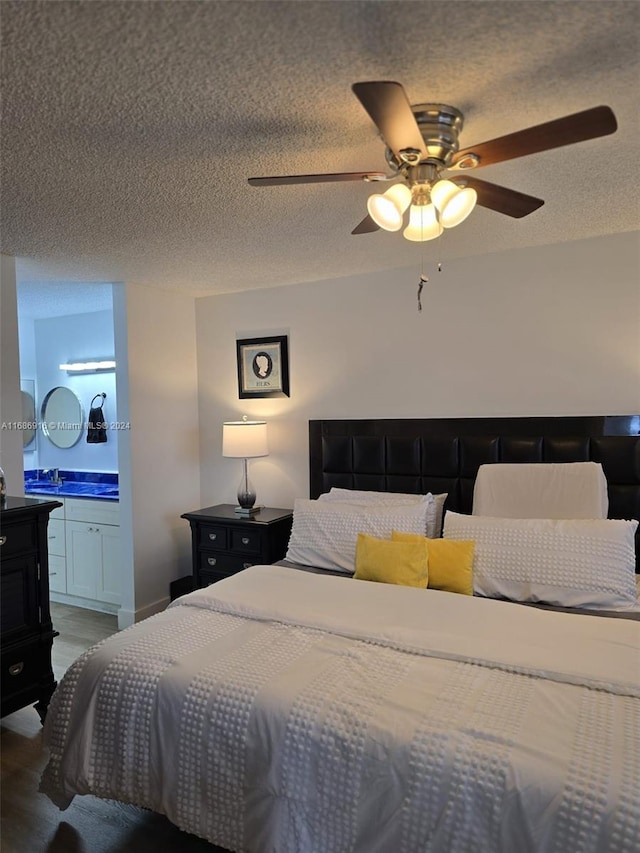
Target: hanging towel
97	428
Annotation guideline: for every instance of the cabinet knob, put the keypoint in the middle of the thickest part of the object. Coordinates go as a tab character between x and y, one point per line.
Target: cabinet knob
212	561
16	668
245	540
3	539
213	536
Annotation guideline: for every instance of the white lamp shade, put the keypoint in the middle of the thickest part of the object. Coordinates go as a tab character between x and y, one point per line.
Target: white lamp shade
423	223
244	439
454	203
387	209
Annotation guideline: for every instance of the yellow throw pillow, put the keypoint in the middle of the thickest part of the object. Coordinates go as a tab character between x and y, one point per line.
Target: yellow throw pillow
385	561
450	562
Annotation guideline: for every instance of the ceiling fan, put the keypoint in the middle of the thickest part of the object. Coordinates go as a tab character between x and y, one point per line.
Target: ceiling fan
422	145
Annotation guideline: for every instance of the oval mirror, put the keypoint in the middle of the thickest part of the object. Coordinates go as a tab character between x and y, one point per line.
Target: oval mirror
28	418
62	417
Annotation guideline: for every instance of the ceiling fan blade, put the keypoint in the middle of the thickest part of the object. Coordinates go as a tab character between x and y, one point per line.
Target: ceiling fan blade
366	226
316	179
388	106
589	124
501	199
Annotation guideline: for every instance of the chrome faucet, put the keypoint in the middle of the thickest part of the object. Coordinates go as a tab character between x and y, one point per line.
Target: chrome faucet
54	475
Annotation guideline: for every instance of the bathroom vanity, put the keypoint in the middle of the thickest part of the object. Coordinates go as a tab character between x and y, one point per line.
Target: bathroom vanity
85	566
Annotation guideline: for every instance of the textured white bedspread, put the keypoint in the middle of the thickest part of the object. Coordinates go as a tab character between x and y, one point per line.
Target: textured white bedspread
287	712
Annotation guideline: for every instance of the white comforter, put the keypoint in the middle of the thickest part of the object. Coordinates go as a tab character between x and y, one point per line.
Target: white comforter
299	713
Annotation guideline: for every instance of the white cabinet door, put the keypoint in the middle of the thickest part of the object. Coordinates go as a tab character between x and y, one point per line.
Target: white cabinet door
93	561
109	579
83	552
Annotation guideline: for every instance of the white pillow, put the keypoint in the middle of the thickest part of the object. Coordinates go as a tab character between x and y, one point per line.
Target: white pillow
541	490
568	562
325	533
434	514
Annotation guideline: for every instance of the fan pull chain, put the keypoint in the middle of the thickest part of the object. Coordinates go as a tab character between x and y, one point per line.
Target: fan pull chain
423	280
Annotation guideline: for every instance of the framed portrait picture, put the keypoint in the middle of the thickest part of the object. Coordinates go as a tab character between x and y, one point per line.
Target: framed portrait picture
263	367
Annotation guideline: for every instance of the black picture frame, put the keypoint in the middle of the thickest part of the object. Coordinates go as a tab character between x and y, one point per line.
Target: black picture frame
263	367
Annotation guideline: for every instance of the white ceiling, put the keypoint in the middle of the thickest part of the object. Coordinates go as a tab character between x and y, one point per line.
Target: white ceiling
129	130
38	299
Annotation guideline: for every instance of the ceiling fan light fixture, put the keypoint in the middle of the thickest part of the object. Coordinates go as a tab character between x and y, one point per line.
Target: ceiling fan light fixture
459	207
387	209
423	223
454	203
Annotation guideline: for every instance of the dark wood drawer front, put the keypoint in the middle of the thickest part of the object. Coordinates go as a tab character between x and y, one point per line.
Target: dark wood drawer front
225	563
19	596
207	578
246	541
21	669
17	539
214	537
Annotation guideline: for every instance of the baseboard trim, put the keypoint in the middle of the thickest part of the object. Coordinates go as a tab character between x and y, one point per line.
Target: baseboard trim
127	618
84	603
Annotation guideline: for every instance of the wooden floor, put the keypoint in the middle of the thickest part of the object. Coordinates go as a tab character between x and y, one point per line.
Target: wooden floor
30	823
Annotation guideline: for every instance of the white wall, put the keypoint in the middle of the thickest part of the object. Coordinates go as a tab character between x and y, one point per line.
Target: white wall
553	330
76	337
159	464
10	397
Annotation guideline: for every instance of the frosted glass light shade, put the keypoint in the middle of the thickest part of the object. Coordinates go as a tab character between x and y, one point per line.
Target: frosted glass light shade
93	366
387	209
454	203
423	223
244	439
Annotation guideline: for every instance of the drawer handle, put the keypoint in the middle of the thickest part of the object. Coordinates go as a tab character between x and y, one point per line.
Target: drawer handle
245	540
247	565
3	539
16	668
212	561
52	574
213	536
53	537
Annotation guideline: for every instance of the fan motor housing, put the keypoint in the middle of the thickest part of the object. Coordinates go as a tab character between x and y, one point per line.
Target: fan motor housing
440	125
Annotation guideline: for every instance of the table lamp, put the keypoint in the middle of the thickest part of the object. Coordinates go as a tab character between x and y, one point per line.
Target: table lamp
245	440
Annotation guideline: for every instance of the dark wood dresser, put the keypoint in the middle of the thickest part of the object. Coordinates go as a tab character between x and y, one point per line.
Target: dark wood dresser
26	630
225	543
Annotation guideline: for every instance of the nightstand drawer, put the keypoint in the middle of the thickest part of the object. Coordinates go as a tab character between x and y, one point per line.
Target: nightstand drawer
225	563
246	541
18	538
212	536
207	578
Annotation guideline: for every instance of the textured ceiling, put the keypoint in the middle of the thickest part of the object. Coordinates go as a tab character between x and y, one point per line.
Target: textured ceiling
129	130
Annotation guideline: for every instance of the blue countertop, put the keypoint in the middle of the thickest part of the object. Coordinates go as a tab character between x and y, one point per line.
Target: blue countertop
75	484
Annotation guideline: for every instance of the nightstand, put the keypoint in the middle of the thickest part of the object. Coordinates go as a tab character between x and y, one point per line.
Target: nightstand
224	542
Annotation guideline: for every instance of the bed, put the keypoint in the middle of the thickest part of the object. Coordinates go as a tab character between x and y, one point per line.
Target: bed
293	708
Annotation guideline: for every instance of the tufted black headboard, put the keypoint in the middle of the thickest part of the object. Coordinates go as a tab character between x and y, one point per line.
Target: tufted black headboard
444	454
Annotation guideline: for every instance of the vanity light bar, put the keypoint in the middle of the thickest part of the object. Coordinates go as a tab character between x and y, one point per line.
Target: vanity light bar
88	366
